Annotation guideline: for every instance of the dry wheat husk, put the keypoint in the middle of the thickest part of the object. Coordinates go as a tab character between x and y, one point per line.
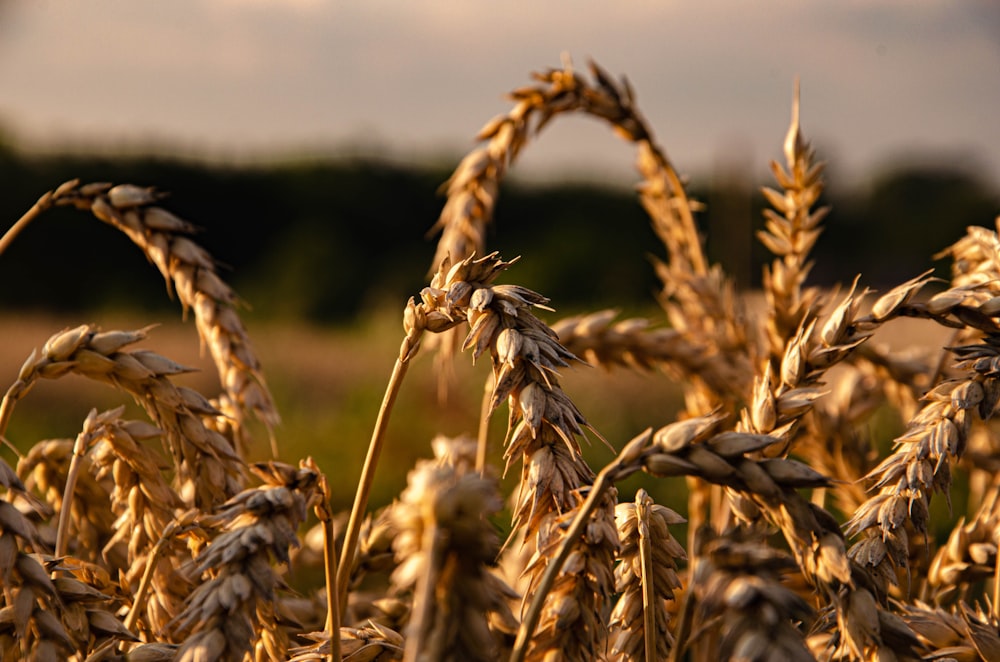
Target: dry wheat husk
573	620
744	609
370	643
791	231
599	339
922	461
700	447
788	411
964	633
944	632
44	470
30	611
49	610
968	558
145	505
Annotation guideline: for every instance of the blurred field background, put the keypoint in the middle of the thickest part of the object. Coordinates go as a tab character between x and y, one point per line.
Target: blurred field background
326	252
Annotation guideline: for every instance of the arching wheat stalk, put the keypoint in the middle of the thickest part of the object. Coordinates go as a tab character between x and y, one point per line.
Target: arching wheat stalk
190	272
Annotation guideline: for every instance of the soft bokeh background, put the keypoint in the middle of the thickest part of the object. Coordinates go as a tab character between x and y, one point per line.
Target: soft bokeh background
308	138
240	78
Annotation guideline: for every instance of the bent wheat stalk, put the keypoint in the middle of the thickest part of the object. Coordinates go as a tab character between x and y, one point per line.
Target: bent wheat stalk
190	272
699	300
208	469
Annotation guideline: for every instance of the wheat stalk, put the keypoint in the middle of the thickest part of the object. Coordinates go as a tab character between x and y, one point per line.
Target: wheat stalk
109	551
190	272
699	300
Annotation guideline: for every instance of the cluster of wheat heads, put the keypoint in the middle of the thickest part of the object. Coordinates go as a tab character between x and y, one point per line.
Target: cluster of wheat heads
155	539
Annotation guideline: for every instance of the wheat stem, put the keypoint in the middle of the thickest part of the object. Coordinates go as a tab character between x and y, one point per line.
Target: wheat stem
996	589
41	205
648	592
333	603
434	540
7	442
182	523
325	516
483	438
368	476
147	577
62	531
6	409
683	621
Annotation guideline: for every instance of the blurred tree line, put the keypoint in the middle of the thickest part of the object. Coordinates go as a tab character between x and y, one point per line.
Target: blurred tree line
324	239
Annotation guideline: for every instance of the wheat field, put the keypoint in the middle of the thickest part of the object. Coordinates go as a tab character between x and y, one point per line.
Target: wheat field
802	533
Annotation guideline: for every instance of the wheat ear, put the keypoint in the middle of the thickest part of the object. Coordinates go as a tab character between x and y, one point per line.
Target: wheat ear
50	613
82	503
699	299
232	611
373	642
146	507
208	468
743	599
189	271
444	548
646	577
791	230
542	431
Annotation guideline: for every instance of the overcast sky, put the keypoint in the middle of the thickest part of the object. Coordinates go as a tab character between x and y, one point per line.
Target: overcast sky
237	78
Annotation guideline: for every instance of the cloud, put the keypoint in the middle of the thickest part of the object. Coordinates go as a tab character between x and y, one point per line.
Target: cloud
252	74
